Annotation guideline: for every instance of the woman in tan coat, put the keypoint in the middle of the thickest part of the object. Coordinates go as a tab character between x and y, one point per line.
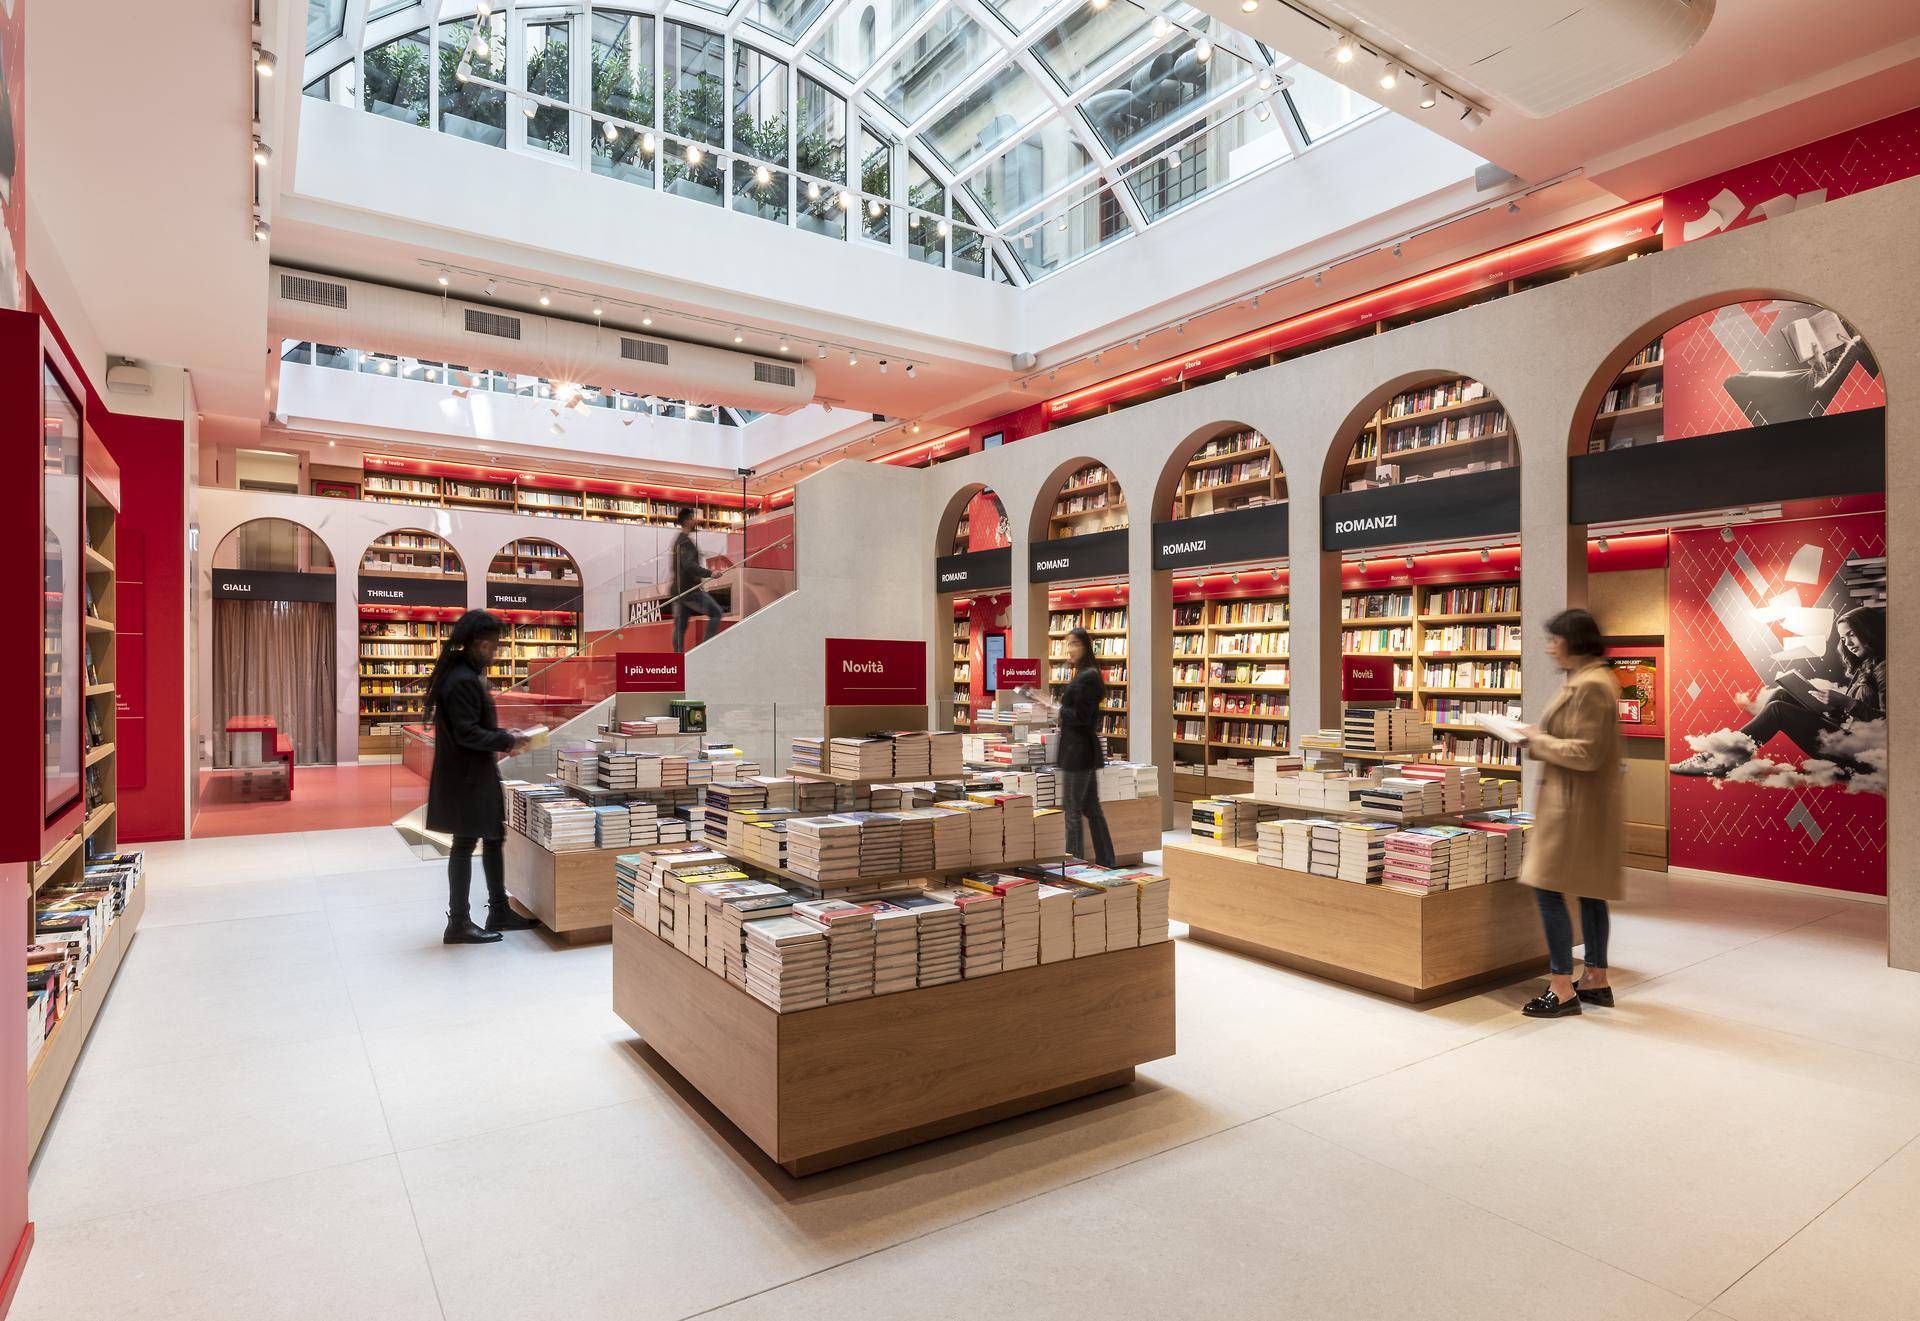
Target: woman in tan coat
1574	848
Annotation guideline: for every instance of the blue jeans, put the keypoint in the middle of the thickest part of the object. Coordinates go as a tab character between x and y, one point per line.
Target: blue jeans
1559	928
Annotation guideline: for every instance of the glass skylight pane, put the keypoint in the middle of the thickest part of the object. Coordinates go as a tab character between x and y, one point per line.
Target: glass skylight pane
759	105
1322	104
623	87
324	18
1074	224
1088	40
1159	88
859	34
1231	143
788	18
694	82
932	65
1019	14
987	116
1020	176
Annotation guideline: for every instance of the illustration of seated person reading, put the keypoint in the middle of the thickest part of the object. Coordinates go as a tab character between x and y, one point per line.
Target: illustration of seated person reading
1827	349
1833	720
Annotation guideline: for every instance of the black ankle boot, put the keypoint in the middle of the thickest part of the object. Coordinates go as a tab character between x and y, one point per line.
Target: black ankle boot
504	918
462	931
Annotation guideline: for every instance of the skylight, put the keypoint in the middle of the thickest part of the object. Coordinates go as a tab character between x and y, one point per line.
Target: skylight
1001	139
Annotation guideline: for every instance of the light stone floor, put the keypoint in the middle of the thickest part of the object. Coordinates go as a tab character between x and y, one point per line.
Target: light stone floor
298	1104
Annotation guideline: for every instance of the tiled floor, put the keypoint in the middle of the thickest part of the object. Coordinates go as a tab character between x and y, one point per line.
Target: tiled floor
298	1104
324	798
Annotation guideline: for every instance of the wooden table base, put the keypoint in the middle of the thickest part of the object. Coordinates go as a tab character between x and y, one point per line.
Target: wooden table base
827	1086
570	894
1413	947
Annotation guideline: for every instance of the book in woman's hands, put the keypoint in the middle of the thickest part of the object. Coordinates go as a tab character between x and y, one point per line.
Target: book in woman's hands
1502	727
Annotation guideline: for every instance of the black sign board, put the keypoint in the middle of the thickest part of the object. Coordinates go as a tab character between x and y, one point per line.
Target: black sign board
533	596
1472	504
1096	555
1239	536
1841	454
976	571
380	589
271	585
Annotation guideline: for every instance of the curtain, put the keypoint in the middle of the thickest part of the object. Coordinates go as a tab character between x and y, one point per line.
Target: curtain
275	658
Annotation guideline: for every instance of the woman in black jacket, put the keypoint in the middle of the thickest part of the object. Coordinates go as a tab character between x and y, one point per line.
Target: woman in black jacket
464	797
1080	756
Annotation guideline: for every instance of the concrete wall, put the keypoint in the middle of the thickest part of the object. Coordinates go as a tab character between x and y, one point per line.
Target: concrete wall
611	556
1548	354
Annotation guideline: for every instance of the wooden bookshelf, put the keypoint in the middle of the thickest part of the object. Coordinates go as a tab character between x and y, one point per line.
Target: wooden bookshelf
1229	472
1449	423
1089	500
1633	410
96	834
1106	626
1233	659
394	480
962	644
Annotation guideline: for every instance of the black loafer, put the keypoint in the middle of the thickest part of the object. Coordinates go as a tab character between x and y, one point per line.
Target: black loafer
1596	995
1549	1005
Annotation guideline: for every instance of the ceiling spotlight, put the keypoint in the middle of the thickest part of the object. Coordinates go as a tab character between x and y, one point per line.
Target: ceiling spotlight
916	427
883	366
845	200
646	143
546	298
445	277
737	336
762	176
783	344
1179	327
1409	561
264	61
1138	340
1161	26
530	108
1236	580
462	72
1603	545
1260	112
1248	6
1266	82
941	229
479	46
1363	565
609	130
1061	225
262	153
432	375
1203	50
912	371
1486	554
385	366
1096	360
853	359
823	352
1389	77
260	230
874	208
1099	4
1052	376
693	154
813	190
1396	249
1428	98
1726	532
1473	118
1342	52
483	10
1513	208
597	309
1316	278
1173	156
490	287
1256	302
646	317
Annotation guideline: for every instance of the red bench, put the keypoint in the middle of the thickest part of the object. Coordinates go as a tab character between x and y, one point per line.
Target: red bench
274	747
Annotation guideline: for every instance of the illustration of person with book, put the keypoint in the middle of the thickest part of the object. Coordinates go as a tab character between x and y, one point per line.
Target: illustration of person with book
1839	724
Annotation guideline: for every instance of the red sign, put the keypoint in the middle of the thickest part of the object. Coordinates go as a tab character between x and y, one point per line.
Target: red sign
875	672
1366	679
650	672
1016	672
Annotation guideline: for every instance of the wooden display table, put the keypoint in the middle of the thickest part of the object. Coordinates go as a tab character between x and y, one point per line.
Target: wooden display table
1413	947
1134	824
826	1086
570	893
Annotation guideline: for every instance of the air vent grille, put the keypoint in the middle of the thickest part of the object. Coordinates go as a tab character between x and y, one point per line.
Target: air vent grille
306	289
492	323
773	373
643	350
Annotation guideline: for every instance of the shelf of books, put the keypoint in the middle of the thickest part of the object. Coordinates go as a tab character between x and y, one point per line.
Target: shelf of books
1229	472
1456	657
398	645
962	666
1633	410
534	637
1232	677
87	898
394	480
1445	427
1089	500
1106	627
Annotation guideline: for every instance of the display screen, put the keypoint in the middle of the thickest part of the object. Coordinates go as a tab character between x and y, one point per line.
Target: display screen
66	574
994	648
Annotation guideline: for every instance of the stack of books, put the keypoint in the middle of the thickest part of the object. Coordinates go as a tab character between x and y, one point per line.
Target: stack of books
824	848
1056	922
982	931
809	754
1506	841
560	825
912	755
619	770
879	842
1089	917
896	947
1418	860
816	797
729	905
916	838
937	924
722	799
1268	772
1016	827
1049	833
983	831
1323	850
1398	797
849	930
763	836
1469	862
1383	729
577	766
1019	915
633	874
1121	903
1459	785
785	962
944	754
953	839
860	758
1363	850
612	827
1156	909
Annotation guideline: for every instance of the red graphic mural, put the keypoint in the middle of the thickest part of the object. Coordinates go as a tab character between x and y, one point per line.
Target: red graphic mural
1851	162
1777	701
1750	364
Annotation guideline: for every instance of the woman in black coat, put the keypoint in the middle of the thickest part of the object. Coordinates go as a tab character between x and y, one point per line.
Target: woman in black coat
1080	755
464	797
